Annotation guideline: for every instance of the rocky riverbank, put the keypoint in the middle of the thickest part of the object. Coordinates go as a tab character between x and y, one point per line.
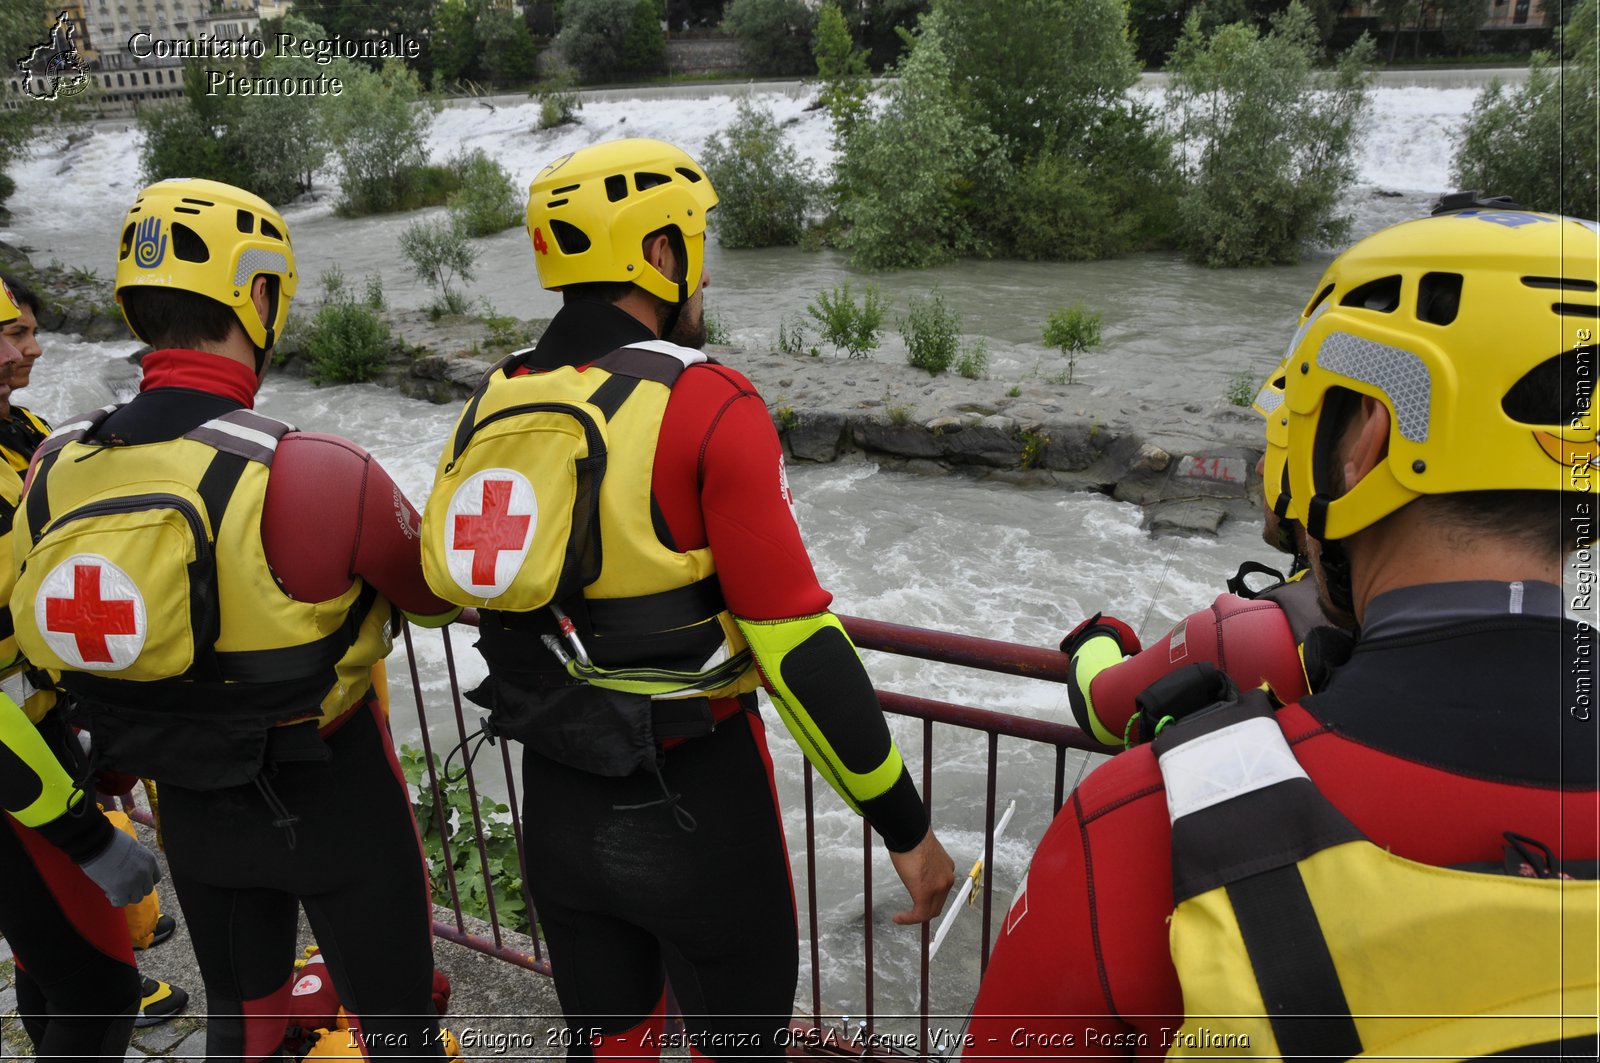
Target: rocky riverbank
1190	465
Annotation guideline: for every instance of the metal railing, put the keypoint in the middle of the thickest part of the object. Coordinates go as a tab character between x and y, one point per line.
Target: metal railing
962	650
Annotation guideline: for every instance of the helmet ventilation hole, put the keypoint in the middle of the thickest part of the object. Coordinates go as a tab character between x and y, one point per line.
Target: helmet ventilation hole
1439	298
1382	295
571	239
644	180
127	243
1574	283
270	230
244	221
616	188
1556	391
187	244
689	175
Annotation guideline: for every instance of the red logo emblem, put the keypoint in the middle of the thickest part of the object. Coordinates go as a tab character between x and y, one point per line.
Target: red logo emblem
492	532
538	241
88	617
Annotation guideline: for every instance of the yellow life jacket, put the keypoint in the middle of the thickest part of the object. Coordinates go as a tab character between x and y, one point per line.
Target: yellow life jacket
29	688
543	497
142	580
1296	937
16	459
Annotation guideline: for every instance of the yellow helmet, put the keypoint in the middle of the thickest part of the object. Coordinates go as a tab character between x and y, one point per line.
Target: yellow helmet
1274	467
589	212
10	310
212	239
1440	319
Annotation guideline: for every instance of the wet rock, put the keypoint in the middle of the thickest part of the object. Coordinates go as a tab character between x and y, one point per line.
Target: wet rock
1072	448
1150	458
984	444
907	441
1191	517
1023	477
816	435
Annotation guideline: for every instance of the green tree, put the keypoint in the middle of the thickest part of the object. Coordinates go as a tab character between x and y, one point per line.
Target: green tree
1536	142
882	25
1045	88
764	184
1072	330
842	66
608	39
439	253
908	183
363	19
1462	22
774	35
1265	141
510	56
378	130
454	45
22	26
487	201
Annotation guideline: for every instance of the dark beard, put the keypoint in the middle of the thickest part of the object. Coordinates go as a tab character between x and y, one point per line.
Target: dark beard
686	333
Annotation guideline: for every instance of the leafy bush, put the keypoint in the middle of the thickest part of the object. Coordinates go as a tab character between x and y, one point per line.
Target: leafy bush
932	332
347	341
558	102
793	336
1038	73
716	331
454	807
439	252
1536	142
607	39
774	35
848	325
974	361
269	145
1265	143
1072	330
486	201
907	178
1242	388
764	184
378	127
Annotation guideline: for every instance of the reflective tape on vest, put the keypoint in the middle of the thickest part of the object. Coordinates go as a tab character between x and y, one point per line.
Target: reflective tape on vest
1238	759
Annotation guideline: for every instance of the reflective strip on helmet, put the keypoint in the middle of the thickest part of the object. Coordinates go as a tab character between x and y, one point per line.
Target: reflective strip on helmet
1400	375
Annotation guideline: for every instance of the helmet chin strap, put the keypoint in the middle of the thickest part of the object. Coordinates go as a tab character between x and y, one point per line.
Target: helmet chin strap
670	322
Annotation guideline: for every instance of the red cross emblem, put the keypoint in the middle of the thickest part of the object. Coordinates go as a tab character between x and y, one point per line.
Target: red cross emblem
491	514
89	618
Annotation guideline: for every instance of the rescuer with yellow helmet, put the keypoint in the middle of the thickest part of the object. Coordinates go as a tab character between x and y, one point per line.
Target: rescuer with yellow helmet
1403	862
615	504
214	588
77	988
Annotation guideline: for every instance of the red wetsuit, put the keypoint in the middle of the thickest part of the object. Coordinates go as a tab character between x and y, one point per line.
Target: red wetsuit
1439	734
331	515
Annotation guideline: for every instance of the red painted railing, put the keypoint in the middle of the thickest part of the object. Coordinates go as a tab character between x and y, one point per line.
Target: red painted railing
983	654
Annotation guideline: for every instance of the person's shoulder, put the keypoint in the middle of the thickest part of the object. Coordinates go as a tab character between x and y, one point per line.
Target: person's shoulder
319	443
1129	779
716	378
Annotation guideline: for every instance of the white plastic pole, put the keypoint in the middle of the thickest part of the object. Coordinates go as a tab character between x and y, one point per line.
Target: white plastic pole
966	887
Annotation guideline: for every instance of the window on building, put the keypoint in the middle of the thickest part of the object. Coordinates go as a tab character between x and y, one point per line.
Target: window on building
1520	16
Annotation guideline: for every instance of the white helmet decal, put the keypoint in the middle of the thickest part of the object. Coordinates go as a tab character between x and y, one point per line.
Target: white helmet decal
488	528
91	614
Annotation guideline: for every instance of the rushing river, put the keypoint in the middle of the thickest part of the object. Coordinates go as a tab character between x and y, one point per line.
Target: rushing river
1009	563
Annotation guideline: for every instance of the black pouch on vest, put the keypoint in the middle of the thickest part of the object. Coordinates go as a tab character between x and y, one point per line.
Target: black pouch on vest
211	754
604	732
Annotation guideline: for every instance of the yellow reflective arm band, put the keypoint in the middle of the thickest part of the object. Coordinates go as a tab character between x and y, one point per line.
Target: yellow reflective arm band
1092	658
57	793
772	641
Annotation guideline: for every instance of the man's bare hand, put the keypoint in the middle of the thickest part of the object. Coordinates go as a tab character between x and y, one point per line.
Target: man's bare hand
928	873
